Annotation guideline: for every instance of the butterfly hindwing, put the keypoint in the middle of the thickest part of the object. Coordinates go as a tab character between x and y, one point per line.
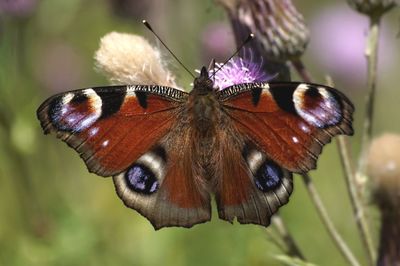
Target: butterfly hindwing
289	121
251	187
110	127
165	184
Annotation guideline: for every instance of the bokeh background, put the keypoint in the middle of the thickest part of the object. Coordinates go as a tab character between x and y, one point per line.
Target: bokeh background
53	212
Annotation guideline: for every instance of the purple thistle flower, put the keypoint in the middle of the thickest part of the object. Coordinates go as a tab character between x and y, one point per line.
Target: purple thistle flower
17	8
217	41
239	70
342	53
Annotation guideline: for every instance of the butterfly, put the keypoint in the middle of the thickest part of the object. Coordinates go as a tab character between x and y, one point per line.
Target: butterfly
169	151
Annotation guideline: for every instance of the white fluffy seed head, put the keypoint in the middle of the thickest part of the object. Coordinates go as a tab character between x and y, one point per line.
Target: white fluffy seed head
130	59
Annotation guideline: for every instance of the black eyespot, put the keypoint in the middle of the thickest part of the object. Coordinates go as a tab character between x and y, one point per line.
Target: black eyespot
141	179
268	176
79	98
312	92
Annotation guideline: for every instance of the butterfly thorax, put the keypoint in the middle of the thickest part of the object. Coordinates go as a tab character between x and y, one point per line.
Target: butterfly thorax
203	104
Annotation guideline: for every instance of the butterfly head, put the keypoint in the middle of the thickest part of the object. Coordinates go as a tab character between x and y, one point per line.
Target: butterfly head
203	84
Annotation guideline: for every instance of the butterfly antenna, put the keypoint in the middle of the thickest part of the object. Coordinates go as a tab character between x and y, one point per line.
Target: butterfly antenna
213	68
158	37
248	39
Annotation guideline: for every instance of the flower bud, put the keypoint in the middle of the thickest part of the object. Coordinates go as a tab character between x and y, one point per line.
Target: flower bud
372	7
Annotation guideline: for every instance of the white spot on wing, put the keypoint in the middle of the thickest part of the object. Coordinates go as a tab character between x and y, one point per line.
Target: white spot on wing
130	91
94	100
71	120
304	127
295	139
265	86
325	94
105	143
67	98
93	131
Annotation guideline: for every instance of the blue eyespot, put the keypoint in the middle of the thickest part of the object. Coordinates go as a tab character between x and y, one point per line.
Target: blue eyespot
141	179
268	176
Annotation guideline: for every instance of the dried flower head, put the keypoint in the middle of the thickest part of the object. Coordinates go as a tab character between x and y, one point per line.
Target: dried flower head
384	169
277	25
239	70
130	59
372	7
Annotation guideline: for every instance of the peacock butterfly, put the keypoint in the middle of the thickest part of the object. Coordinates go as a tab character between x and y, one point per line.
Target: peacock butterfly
169	151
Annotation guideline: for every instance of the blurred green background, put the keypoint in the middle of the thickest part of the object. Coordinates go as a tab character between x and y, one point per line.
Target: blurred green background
53	212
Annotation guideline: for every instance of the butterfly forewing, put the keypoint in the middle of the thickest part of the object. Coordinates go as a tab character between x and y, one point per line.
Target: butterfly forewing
277	128
289	121
110	127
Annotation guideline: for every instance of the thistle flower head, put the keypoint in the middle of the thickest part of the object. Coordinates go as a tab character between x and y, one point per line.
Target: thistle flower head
279	28
372	7
238	70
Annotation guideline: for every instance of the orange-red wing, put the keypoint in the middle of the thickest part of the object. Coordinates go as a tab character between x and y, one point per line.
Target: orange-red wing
289	121
110	127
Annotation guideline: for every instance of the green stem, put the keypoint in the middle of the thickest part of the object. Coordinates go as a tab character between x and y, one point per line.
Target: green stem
354	192
302	70
371	53
326	220
291	247
356	203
